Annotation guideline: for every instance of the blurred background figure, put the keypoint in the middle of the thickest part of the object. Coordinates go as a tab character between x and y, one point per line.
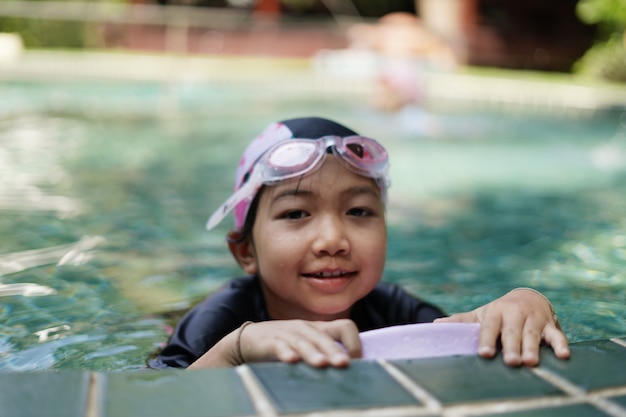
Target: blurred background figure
405	49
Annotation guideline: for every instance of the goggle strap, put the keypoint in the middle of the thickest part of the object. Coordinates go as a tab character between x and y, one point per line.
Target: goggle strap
237	197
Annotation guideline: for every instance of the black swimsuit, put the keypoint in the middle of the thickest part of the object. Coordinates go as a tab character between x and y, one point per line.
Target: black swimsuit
242	300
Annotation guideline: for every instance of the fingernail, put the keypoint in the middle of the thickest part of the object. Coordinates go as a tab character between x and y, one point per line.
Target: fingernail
530	360
340	357
512	359
318	358
486	351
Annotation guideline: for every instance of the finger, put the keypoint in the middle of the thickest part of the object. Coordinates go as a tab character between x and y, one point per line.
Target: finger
346	333
488	336
285	353
318	342
531	342
271	348
556	339
327	339
309	351
511	338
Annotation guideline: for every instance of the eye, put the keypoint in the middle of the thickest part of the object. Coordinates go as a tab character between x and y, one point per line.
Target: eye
295	214
359	212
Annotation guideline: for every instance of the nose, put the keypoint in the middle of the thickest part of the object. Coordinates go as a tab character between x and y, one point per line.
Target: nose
330	237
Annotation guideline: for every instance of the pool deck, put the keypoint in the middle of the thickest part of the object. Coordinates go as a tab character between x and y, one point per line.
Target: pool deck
592	383
328	72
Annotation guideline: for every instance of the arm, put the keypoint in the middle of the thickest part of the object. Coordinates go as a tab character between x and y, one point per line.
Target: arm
521	319
287	341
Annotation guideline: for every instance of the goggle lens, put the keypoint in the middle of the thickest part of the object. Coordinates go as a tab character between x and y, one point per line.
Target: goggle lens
365	154
290	158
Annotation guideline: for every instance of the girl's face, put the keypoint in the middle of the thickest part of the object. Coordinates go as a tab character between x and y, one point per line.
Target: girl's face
318	243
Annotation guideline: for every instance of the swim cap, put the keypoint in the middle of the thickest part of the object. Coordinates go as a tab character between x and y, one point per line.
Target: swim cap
305	127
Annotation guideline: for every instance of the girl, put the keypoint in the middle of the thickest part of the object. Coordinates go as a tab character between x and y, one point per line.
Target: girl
310	232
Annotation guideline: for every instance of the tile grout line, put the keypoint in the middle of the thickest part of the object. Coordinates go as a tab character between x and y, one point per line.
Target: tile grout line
559	382
611	392
256	393
430	402
490	407
505	406
406	411
619	341
92	408
608	406
602	403
603	397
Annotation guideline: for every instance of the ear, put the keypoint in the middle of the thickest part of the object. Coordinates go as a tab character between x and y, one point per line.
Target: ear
243	251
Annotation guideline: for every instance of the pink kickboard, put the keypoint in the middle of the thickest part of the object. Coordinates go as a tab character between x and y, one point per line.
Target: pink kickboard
425	340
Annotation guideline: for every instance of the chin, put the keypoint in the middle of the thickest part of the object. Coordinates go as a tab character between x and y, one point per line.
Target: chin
332	312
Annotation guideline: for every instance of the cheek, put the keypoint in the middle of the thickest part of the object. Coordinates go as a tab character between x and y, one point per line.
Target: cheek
375	246
283	237
287	249
279	248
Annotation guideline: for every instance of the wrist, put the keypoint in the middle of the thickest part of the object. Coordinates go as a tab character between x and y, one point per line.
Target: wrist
239	358
534	291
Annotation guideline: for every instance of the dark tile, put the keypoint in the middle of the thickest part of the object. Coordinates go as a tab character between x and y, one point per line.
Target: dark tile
574	410
44	394
621	400
300	388
204	393
592	365
470	378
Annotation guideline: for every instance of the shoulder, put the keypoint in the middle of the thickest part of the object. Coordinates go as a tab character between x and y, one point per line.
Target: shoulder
240	297
205	324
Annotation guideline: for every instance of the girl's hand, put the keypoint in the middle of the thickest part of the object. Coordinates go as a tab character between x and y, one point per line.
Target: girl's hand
314	342
522	319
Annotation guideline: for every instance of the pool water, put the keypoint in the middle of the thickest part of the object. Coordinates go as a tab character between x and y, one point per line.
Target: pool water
105	189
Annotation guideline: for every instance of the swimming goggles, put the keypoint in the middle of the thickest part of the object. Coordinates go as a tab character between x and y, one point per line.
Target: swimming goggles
297	157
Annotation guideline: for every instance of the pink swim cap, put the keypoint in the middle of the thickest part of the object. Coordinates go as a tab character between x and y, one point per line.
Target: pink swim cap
303	128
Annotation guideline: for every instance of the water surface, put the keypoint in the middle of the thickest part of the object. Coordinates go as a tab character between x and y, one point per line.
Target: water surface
105	189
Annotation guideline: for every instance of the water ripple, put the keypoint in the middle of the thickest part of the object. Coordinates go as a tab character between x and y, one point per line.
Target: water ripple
74	253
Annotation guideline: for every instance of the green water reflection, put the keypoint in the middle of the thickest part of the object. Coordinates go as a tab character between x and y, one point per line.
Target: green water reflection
480	203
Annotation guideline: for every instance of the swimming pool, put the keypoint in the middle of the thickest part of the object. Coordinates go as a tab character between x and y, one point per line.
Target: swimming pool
105	188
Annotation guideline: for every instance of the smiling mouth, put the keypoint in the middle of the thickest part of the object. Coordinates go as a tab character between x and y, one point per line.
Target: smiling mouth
334	274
